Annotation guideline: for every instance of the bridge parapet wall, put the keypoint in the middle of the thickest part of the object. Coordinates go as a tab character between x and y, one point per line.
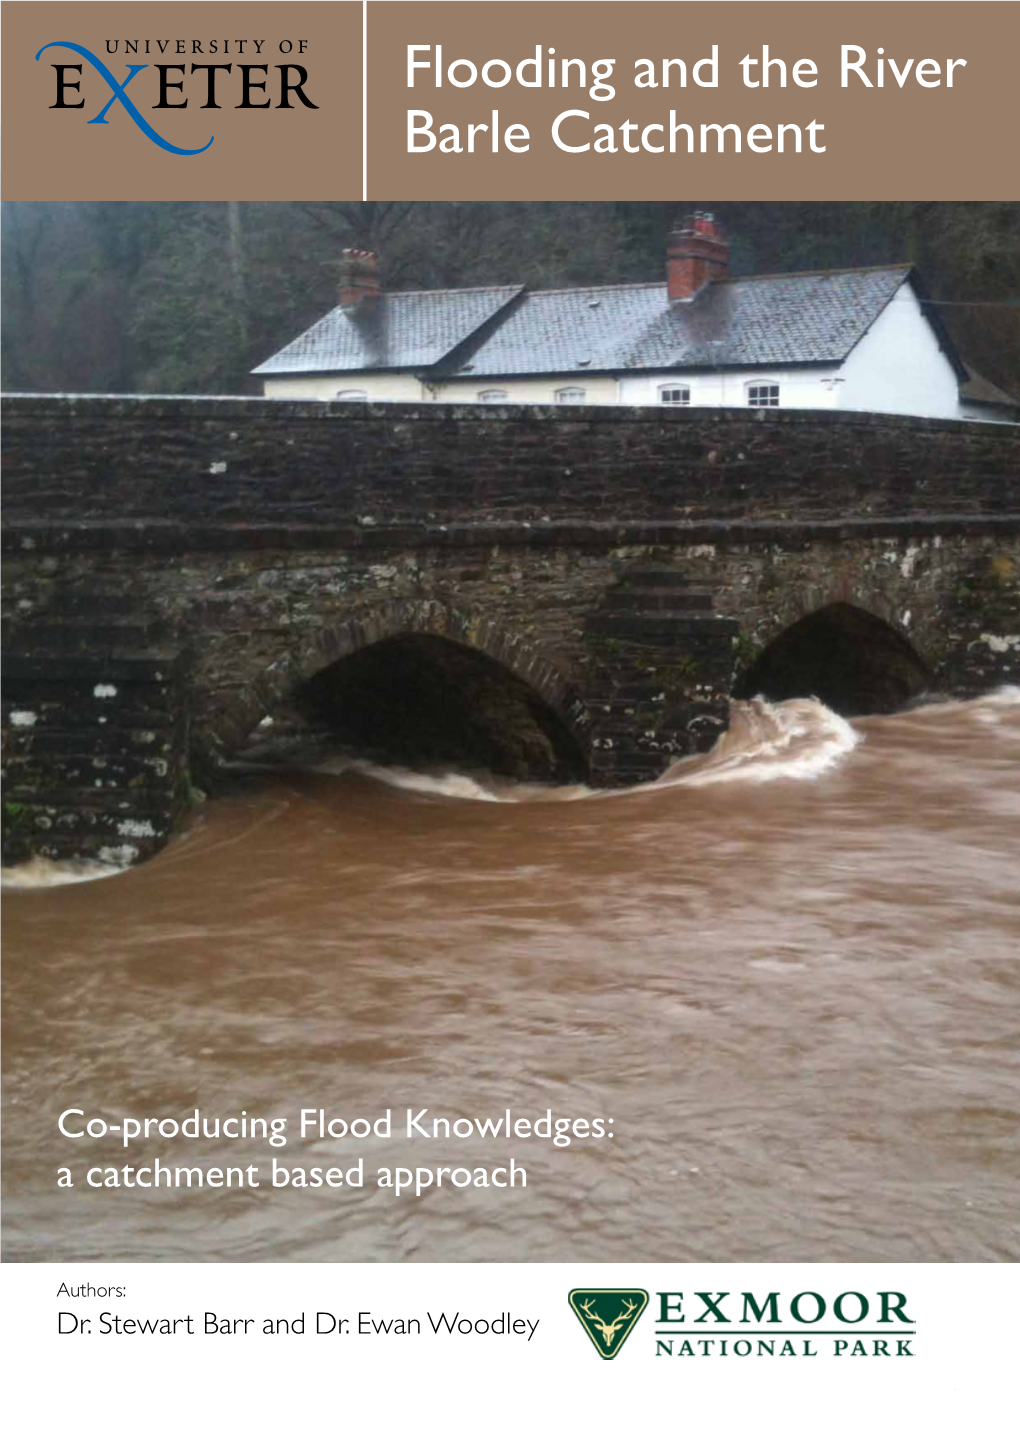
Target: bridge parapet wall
203	461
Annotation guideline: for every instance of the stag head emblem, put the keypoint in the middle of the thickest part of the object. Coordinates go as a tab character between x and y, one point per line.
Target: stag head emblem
592	1306
609	1329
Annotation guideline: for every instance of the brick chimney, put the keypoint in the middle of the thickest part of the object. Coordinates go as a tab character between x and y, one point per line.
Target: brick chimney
695	254
358	279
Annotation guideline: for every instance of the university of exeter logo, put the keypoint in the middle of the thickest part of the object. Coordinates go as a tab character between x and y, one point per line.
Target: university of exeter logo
595	1306
171	91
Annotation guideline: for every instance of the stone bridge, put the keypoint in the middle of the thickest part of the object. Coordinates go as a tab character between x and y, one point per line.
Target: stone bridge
547	592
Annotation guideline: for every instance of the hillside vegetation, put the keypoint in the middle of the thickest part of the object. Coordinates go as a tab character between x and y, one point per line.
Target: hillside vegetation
187	297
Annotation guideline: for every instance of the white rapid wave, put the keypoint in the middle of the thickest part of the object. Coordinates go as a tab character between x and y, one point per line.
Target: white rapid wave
447	783
766	741
987	710
39	873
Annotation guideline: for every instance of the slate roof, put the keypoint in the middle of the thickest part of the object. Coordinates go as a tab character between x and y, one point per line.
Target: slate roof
770	320
801	319
749	321
410	330
563	330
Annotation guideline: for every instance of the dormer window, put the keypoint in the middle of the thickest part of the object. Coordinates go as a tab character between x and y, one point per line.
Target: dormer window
571	396
674	395
492	397
763	393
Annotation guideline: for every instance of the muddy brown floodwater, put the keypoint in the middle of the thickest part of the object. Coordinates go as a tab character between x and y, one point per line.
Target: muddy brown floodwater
789	972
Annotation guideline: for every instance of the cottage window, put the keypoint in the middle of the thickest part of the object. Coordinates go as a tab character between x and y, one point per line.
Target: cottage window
674	395
571	396
352	395
763	394
492	397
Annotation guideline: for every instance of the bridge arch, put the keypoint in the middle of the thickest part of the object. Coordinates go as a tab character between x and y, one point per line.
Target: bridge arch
400	621
893	599
854	659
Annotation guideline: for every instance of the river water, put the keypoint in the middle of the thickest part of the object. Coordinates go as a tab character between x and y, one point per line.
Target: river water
789	972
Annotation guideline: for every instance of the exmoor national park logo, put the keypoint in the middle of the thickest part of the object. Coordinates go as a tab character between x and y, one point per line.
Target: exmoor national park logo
608	1317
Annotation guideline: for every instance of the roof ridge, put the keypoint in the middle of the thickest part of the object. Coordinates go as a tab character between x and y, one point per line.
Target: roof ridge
903	266
900	265
520	286
451	290
617	285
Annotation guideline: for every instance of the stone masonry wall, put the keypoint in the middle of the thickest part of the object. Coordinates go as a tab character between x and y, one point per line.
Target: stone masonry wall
198	462
627	565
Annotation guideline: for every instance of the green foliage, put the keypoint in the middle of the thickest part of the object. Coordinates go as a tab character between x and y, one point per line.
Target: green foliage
187	276
745	651
188	793
678	674
965	593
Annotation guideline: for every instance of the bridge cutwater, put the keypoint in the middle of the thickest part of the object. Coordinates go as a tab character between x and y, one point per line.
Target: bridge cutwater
573	592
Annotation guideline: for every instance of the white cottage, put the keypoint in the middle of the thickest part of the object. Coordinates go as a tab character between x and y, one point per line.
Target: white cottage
865	339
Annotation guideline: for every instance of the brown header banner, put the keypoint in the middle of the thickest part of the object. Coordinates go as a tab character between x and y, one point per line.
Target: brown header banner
223	108
643	100
487	100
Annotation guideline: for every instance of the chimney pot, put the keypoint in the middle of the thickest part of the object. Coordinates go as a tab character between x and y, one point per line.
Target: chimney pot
358	279
696	254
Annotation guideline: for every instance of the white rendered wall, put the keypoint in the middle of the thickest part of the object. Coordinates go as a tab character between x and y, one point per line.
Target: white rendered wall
802	388
404	386
395	386
530	390
898	367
